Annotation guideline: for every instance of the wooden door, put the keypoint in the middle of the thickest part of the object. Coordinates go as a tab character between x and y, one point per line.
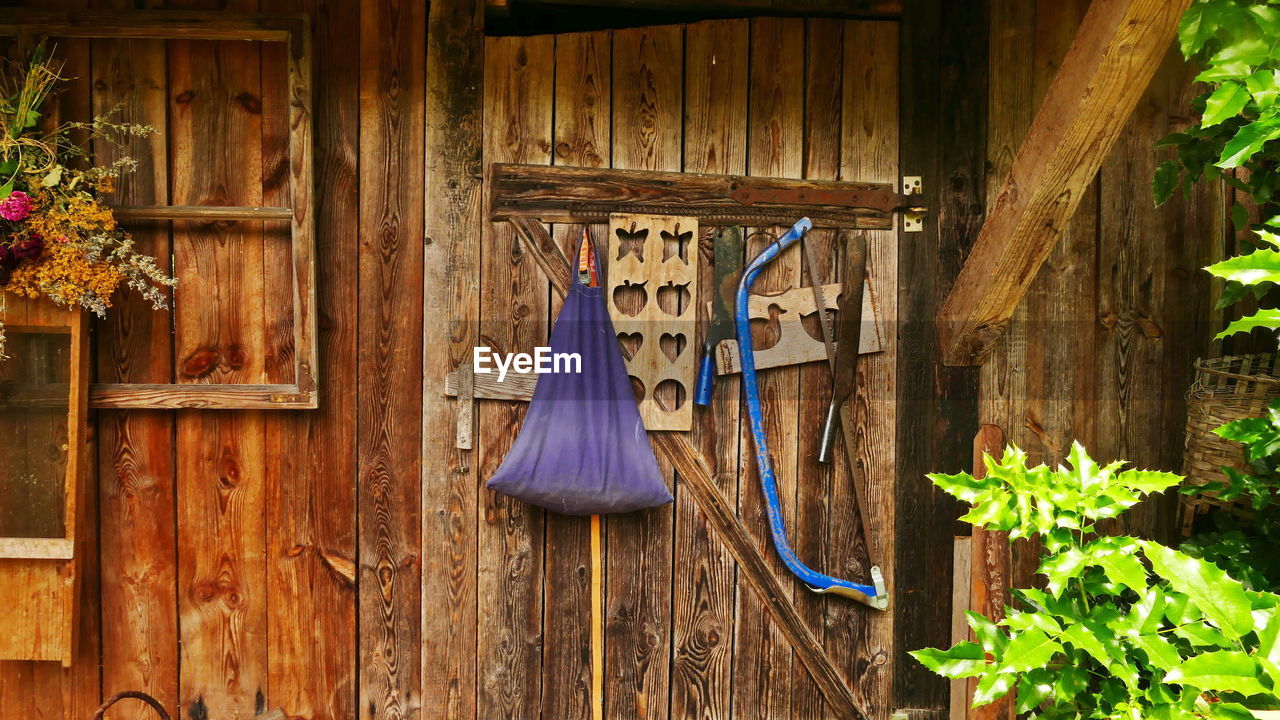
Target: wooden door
684	638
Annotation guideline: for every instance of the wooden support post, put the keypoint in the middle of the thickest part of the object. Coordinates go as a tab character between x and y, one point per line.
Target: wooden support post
1115	53
961	577
990	560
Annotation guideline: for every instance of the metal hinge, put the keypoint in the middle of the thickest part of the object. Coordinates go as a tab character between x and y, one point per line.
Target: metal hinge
912	220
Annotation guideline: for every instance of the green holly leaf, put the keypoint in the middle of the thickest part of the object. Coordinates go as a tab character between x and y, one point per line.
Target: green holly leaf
1023	621
993	640
964	660
1269	319
1251	269
1034	688
1222	600
992	687
1084	639
1160	652
1221	671
1230	711
1062	567
1166	180
1225	102
1247	141
1029	650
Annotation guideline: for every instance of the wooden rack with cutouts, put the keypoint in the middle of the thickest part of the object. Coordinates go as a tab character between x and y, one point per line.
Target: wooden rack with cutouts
652	284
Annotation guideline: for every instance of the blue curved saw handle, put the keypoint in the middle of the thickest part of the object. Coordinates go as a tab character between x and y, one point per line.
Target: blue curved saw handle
706	379
818	582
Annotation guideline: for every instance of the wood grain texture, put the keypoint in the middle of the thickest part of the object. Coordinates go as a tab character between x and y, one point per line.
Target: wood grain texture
869	145
455	51
647	102
389	359
816	505
136	461
715	118
518	83
571	194
944	64
775	137
581	137
1115	54
960	632
311	497
215	91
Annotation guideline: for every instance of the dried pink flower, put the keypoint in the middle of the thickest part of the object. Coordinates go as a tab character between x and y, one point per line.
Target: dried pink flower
16	207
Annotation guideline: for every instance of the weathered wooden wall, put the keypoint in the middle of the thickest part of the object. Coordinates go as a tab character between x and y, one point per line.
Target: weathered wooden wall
346	563
1101	349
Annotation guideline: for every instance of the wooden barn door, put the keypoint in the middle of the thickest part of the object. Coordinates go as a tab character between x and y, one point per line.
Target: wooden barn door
684	639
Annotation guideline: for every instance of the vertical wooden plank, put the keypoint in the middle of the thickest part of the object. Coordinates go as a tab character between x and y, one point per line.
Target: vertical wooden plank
647	101
775	136
513	310
715	136
311	497
136	458
1131	288
869	151
454	142
1196	232
581	138
389	357
1009	111
944	64
960	582
816	502
215	125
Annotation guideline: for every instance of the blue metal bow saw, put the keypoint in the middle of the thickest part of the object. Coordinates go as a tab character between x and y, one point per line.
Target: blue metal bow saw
874	595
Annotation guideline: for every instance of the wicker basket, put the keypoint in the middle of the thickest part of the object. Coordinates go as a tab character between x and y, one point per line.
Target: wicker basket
1225	389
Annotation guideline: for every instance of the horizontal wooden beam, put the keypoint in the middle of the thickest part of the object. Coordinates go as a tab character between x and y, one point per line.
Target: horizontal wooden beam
157	24
1106	70
590	195
160	396
209	213
839	8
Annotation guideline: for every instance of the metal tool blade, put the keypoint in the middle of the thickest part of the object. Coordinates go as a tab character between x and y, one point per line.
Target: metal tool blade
727	245
727	248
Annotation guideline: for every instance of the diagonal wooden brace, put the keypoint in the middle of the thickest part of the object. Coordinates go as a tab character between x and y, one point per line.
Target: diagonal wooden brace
844	701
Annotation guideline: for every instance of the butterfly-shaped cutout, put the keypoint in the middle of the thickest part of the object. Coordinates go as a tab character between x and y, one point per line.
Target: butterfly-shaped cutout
632	242
676	244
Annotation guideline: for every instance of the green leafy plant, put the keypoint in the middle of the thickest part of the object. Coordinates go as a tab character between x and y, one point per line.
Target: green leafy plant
1124	628
1237	43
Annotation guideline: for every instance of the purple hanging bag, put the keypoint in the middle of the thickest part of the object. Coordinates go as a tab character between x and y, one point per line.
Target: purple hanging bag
583	449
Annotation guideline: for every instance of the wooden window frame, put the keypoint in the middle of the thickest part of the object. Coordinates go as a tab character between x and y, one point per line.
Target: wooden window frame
295	31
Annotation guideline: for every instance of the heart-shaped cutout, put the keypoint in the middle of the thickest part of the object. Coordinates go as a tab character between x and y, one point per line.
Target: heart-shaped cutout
630	343
670	395
672	345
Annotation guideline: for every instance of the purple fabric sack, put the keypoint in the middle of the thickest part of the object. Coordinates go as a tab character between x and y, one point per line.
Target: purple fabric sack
582	449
